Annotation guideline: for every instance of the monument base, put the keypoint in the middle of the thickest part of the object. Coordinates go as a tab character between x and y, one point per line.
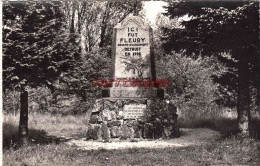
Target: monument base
132	118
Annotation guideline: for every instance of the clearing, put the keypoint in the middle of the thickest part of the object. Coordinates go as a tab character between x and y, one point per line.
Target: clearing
189	137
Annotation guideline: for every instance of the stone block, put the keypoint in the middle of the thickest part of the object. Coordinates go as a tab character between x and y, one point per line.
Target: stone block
171	107
100	120
121	112
148	130
141	121
108	105
106	115
125	132
171	131
93	119
99	134
167	130
149	103
132	132
113	115
105	131
119	103
97	106
120	115
114	123
138	130
116	110
93	131
158	128
176	132
130	123
115	132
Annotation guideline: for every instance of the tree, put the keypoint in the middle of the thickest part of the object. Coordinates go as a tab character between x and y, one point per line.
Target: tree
227	30
79	81
95	20
94	24
191	87
36	49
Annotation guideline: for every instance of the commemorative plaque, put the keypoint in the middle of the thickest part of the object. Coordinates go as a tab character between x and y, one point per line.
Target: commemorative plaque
134	111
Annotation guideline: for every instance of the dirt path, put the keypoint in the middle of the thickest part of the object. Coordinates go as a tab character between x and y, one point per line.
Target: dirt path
188	137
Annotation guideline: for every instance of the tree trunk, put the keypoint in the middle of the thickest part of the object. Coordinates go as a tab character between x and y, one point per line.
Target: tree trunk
72	28
258	67
102	36
258	97
243	101
23	124
257	74
104	26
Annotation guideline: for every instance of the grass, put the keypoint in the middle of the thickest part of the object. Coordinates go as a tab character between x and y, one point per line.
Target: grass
50	150
43	125
230	151
226	126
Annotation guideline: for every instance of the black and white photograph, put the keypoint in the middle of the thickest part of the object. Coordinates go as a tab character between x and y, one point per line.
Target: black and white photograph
147	83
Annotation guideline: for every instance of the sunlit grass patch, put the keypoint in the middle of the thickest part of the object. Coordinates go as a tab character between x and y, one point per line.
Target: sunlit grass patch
41	125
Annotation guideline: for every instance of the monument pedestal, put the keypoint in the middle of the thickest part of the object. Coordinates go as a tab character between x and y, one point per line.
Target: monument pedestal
132	118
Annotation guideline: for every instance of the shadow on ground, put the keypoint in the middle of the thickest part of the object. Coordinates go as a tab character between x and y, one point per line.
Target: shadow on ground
11	137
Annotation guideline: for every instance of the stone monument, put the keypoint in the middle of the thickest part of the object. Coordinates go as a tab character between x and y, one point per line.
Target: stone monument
133	106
